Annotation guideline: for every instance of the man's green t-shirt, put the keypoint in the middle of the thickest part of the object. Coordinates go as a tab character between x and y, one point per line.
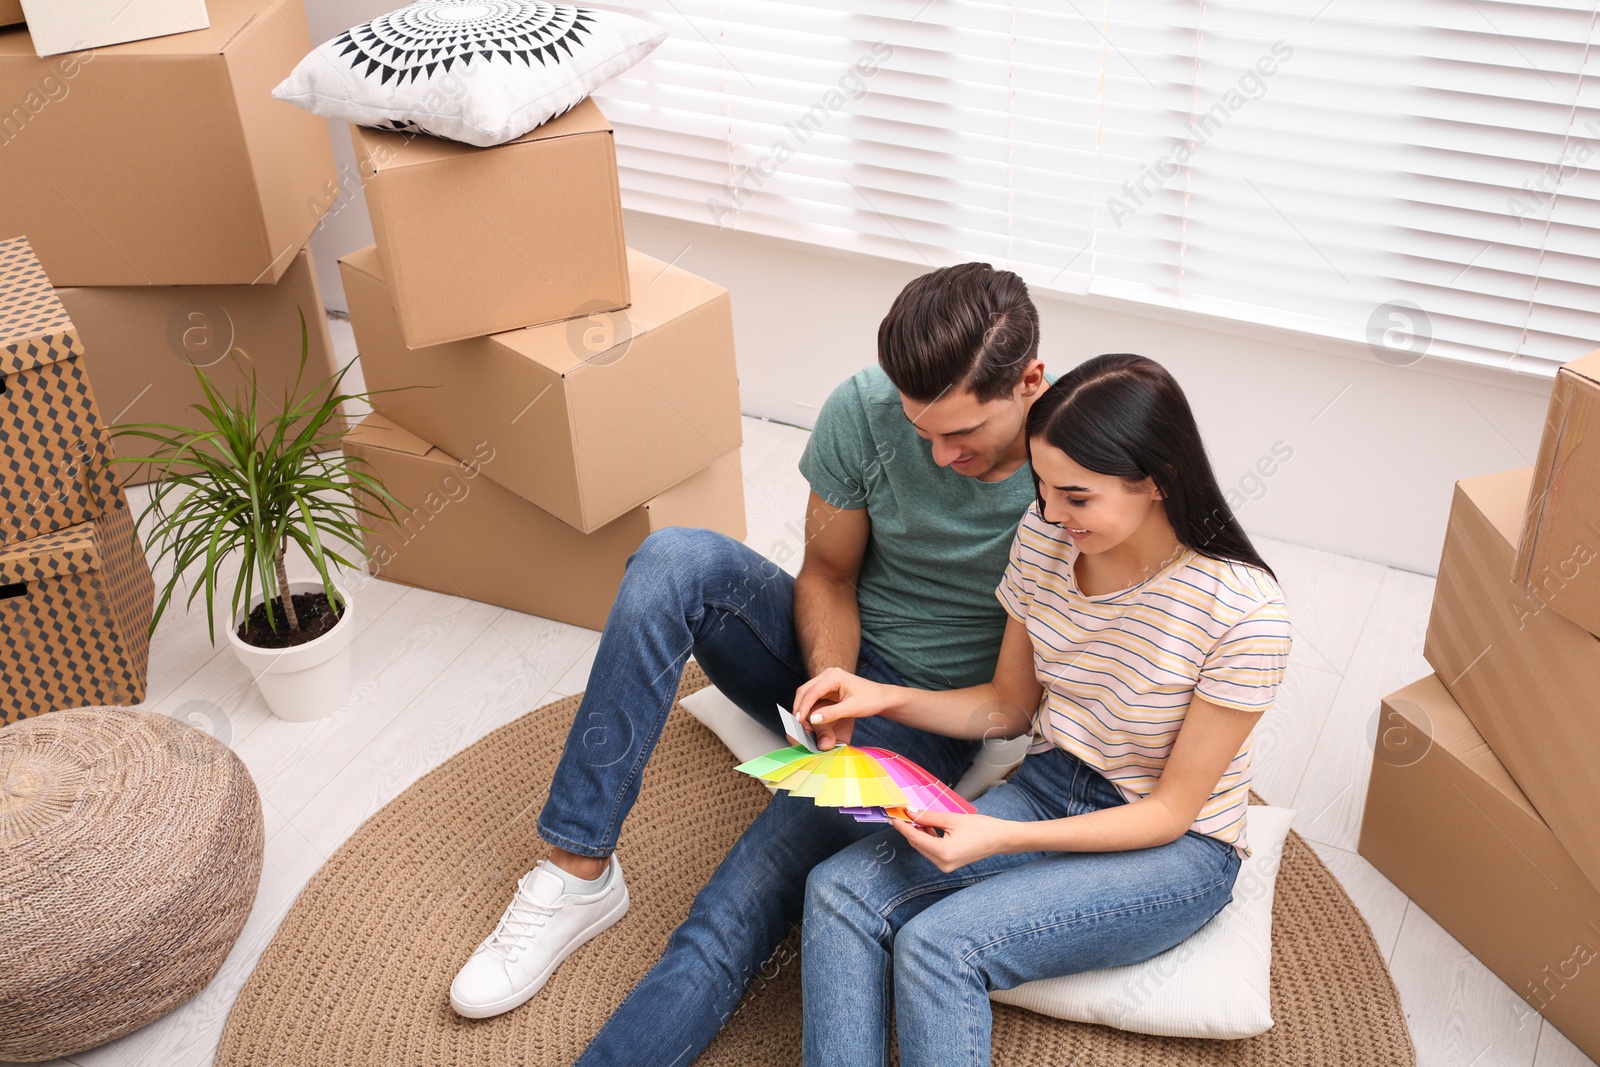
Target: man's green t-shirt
939	540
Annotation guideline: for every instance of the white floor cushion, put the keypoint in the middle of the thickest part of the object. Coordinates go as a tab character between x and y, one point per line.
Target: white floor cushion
1216	984
745	737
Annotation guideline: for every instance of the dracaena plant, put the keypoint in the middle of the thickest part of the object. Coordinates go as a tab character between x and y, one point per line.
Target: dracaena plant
236	492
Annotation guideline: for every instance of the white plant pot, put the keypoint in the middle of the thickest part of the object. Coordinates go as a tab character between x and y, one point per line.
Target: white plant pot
307	681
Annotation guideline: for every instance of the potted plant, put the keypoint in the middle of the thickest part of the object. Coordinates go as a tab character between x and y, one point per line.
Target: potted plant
233	496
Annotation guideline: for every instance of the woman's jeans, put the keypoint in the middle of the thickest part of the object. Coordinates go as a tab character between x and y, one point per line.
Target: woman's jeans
701	592
885	927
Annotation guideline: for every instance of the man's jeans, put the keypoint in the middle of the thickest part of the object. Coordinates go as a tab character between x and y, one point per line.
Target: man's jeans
885	927
695	591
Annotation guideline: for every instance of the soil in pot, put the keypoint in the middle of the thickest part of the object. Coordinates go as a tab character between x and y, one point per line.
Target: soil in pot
317	617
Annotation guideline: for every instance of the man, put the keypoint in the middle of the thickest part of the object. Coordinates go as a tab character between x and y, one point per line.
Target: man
919	477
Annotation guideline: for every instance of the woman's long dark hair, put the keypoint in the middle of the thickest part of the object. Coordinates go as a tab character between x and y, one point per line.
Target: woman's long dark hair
1125	415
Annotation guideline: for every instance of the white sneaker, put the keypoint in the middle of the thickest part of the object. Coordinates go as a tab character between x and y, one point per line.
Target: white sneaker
543	925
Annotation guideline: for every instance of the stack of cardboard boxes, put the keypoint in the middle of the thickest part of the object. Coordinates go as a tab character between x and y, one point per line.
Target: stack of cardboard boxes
170	197
75	591
545	396
1484	803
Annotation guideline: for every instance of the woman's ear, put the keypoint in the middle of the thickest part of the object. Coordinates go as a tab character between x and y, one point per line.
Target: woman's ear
1172	476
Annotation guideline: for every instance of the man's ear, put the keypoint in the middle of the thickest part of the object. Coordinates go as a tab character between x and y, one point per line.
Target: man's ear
1033	382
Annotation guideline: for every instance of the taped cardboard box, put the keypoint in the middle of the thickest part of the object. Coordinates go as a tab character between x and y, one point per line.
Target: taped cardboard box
10	12
1560	545
55	454
590	417
142	343
57	26
1528	678
480	240
1446	823
75	610
165	162
468	536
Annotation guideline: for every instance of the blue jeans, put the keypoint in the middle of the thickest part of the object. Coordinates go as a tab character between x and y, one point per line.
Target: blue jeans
695	591
884	926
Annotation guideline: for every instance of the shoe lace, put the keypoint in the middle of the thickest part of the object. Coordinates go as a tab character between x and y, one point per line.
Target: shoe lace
519	927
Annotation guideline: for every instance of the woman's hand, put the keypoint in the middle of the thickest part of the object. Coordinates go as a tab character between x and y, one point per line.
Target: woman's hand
831	701
967	838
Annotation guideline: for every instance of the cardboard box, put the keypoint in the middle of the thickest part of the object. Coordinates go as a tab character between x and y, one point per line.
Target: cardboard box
1560	546
75	609
142	343
590	417
1528	678
480	240
55	454
58	26
165	162
1445	823
10	12
468	536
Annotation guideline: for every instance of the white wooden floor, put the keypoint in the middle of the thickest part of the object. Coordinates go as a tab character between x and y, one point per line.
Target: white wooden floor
436	672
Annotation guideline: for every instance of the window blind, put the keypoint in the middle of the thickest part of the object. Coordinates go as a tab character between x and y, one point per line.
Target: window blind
1417	175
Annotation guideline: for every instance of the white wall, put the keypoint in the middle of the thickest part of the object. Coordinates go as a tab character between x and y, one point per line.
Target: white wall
1376	449
346	227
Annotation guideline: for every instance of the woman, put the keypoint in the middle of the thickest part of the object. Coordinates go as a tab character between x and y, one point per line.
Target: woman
1146	637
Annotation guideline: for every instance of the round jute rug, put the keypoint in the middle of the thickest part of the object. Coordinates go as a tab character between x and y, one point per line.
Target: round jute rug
358	975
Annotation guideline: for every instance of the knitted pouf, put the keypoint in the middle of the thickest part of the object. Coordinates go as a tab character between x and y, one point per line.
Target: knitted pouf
130	853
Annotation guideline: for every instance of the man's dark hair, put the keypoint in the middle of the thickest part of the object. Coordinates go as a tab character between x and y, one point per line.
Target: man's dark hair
963	327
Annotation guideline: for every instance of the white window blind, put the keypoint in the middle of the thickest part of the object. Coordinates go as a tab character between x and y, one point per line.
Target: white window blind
1416	174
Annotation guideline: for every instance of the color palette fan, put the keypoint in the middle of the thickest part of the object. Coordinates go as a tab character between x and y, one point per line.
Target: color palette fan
872	784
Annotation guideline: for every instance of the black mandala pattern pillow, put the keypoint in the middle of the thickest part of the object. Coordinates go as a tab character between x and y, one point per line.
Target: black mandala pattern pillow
479	71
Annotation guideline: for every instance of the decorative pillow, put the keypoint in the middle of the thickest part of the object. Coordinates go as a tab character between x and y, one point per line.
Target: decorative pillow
747	739
1217	983
479	71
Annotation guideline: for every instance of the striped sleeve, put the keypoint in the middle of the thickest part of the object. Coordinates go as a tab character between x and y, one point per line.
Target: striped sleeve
1247	663
1020	578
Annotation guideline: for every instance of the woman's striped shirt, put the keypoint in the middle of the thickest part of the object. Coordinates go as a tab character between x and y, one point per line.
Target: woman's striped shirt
1119	669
